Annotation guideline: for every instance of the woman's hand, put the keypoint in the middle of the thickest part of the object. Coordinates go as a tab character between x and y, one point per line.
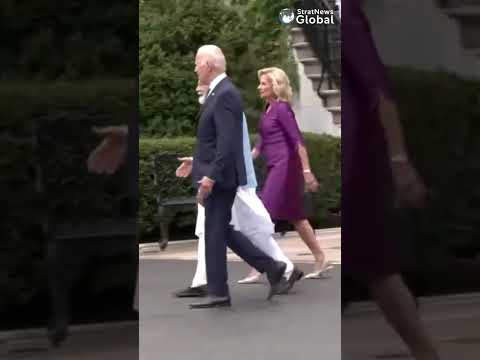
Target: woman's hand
255	153
409	185
311	182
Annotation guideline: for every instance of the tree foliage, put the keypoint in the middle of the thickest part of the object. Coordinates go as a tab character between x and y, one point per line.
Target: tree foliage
67	40
171	32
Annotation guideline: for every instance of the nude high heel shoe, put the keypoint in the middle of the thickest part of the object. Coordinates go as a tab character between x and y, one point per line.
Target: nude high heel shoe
254	279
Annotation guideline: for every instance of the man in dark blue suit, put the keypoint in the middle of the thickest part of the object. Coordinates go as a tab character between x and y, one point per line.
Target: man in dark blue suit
218	169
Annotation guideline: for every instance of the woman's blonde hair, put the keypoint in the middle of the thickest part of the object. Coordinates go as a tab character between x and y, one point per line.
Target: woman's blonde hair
280	82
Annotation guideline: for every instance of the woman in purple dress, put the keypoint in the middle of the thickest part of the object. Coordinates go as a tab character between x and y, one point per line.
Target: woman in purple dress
281	144
376	174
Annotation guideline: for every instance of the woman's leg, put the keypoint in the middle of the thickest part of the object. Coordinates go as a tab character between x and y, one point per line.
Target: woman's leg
307	234
398	305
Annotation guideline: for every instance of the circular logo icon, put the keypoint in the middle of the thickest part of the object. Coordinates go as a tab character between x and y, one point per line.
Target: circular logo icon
286	16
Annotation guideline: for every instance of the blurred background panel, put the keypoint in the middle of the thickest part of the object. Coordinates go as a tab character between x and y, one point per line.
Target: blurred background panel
69	248
430	50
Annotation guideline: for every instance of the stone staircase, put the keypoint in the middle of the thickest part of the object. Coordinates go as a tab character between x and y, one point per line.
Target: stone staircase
327	90
467	15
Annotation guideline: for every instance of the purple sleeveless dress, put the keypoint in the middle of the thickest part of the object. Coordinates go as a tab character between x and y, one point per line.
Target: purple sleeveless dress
279	136
367	200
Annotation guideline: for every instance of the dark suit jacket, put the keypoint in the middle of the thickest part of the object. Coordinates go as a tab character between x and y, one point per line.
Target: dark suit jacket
219	148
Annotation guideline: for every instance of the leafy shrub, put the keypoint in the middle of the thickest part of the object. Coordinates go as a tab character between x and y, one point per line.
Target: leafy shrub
170	34
53	40
325	162
440	113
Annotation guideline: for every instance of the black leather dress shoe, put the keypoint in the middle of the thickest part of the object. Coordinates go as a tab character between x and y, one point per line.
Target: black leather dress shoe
190	292
212	302
275	279
286	285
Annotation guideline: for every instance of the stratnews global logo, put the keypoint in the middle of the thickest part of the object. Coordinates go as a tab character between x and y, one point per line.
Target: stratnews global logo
307	16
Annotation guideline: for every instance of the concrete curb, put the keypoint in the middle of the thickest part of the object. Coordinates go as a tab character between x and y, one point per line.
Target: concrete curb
153	246
369	307
32	333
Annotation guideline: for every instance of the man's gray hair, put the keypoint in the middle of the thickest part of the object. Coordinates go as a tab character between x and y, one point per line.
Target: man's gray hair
215	56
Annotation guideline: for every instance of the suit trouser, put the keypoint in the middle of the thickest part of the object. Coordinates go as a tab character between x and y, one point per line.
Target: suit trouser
219	234
250	216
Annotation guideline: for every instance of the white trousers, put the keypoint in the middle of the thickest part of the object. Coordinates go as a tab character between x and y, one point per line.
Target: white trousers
250	217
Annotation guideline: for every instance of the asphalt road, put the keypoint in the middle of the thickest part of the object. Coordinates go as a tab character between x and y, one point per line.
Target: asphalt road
302	325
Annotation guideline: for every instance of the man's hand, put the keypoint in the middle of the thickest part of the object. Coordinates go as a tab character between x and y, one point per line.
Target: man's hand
255	153
204	190
185	168
110	154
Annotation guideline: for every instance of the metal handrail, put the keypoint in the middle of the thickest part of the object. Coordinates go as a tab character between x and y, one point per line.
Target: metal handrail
325	40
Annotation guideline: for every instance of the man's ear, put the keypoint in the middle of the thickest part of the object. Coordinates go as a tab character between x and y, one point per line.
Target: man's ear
209	65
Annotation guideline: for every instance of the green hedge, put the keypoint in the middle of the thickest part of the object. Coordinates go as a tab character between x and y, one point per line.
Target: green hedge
441	113
58	40
325	161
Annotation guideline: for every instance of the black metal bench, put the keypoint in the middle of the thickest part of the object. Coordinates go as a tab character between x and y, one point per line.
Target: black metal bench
169	207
